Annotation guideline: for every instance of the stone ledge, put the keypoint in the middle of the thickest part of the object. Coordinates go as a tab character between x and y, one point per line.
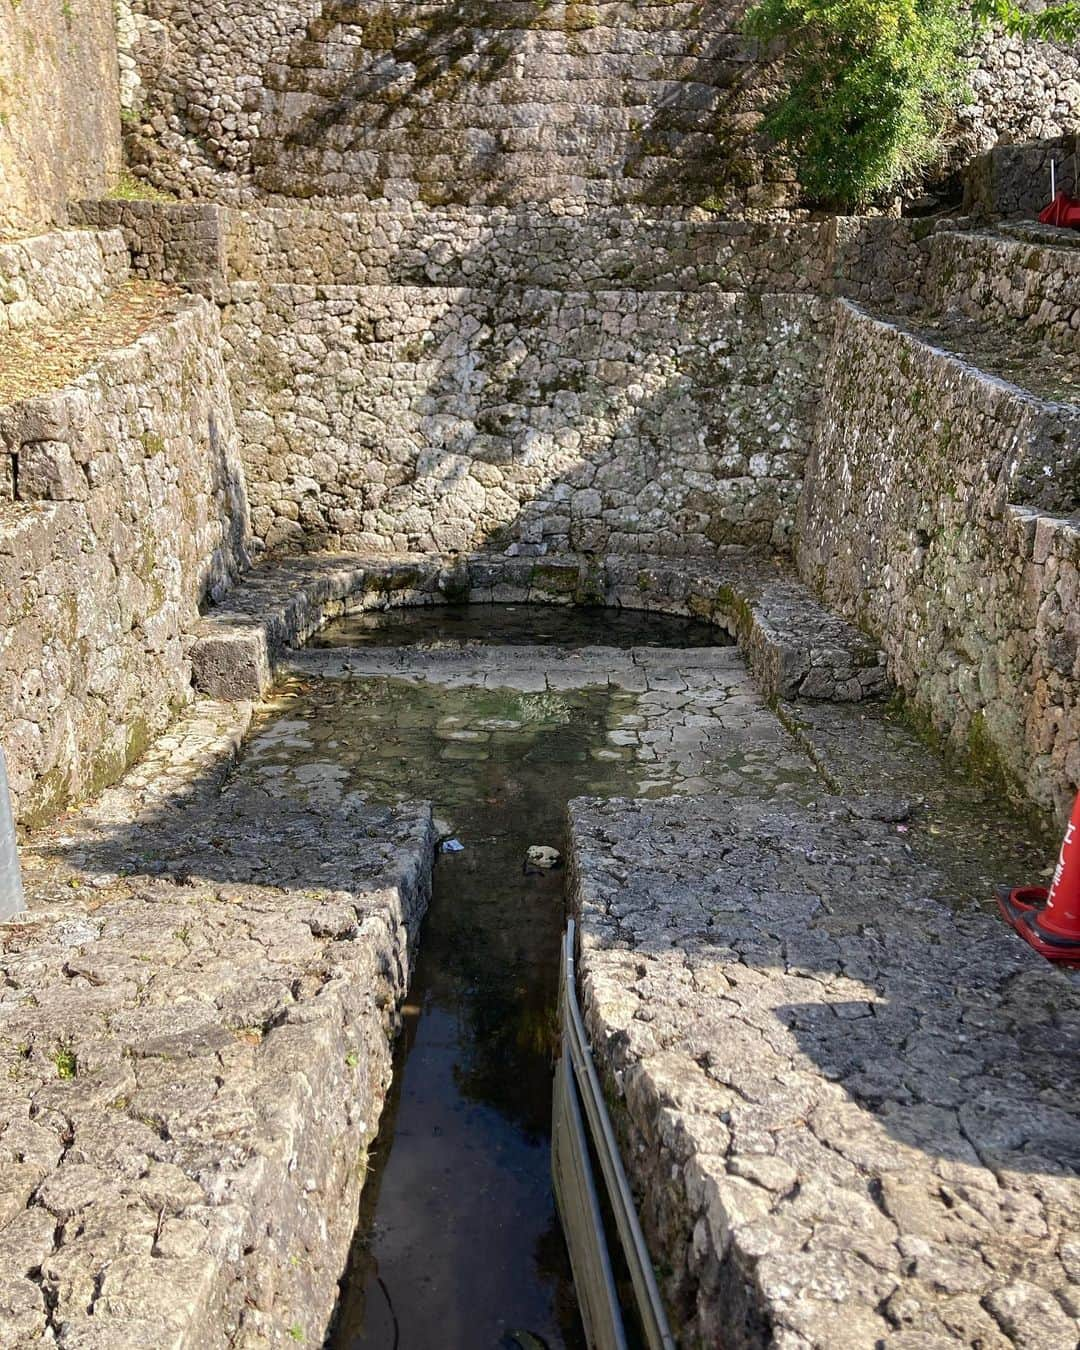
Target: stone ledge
795	648
196	1024
844	1103
48	277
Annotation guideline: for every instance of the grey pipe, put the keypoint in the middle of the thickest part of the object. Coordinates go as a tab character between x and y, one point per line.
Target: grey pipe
11	889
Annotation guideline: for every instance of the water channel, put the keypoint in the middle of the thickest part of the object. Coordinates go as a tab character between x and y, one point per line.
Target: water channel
458	1244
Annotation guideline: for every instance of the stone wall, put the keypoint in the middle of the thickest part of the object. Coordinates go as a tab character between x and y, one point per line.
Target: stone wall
50	276
456	100
432	419
496	102
1029	282
909	525
1014	180
178	243
125	509
394	243
59	109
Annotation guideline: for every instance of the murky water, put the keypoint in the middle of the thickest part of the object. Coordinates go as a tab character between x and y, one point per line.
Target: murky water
458	1244
518	625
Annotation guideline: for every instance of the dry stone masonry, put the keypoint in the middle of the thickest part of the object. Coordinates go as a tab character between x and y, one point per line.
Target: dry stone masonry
122	507
846	1131
934	515
413	419
197	1048
503	302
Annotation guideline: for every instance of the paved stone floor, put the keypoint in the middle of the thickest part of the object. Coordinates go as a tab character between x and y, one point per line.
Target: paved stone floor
842	1077
196	1019
850	1104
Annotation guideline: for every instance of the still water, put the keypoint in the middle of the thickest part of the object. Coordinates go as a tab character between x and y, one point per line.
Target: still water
458	1245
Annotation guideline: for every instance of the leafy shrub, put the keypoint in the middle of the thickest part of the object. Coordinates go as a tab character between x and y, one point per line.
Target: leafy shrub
870	85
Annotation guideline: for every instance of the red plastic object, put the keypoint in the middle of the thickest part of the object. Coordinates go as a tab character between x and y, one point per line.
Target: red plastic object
1063	210
1050	920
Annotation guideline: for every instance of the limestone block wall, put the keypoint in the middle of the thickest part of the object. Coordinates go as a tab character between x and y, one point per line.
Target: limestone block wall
1014	179
1022	281
431	418
453	100
912	523
496	101
597	248
125	509
179	243
48	276
59	109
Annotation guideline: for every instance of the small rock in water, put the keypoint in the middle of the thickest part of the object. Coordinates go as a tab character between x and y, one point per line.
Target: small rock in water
523	1340
541	857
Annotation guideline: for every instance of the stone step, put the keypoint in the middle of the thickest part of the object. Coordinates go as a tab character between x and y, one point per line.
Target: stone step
795	648
1000	364
1029	285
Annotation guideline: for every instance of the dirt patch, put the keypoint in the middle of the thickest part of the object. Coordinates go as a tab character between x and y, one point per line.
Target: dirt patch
33	361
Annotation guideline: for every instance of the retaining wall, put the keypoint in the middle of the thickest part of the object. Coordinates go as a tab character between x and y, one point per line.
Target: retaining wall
983	276
433	419
59	109
49	276
497	102
125	509
909	526
465	101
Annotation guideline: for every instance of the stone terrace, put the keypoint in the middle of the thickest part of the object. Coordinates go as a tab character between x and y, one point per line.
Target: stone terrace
196	1023
844	1102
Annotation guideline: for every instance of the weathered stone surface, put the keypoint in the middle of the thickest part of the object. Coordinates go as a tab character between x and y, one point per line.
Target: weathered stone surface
196	1022
993	279
129	511
842	1099
794	647
1013	179
482	102
430	419
915	524
50	276
60	108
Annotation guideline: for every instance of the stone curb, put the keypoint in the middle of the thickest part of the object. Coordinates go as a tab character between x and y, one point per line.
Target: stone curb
795	648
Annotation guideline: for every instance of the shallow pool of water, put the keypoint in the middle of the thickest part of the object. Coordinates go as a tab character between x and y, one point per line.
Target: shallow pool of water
517	625
458	1243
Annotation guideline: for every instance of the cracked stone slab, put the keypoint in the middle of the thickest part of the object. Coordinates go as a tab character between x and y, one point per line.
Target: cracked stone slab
196	1022
846	1102
795	648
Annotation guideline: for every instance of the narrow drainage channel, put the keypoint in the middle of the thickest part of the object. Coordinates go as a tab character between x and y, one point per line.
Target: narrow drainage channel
458	1243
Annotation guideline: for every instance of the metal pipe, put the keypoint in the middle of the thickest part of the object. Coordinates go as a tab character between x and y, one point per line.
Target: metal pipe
647	1294
11	889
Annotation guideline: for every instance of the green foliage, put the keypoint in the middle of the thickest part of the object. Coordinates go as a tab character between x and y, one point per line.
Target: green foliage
65	1061
870	85
128	188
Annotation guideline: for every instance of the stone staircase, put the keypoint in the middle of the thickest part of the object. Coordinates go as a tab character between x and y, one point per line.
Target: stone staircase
121	508
942	498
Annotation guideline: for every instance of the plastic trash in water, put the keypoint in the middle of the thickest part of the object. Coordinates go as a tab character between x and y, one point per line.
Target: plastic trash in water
453	846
